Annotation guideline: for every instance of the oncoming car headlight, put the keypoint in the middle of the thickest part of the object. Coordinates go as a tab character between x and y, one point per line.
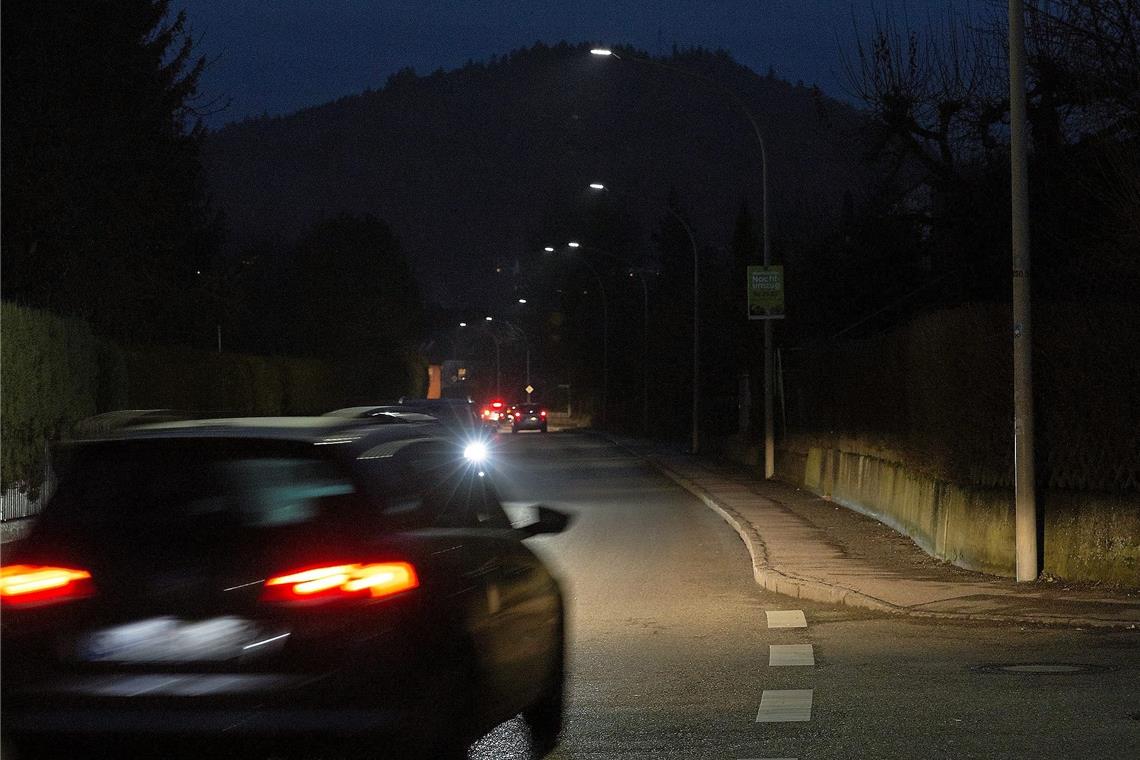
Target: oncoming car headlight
475	452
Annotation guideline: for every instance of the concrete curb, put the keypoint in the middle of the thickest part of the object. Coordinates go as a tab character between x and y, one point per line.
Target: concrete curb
771	579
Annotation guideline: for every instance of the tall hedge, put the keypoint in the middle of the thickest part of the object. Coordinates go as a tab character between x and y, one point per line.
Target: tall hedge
936	395
49	371
55	372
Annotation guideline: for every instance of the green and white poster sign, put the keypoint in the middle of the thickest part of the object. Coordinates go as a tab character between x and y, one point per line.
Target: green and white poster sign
765	292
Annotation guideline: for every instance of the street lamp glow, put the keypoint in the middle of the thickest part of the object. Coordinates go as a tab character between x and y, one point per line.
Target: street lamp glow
601	51
574	245
522	300
463	324
489	319
549	249
597	186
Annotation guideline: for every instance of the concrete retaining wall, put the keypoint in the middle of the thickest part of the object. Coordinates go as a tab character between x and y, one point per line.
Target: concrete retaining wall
1087	536
972	529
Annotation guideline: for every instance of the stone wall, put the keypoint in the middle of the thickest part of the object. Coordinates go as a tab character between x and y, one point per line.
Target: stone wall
1087	536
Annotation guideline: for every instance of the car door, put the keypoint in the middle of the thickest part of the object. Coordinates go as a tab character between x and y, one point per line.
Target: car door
524	605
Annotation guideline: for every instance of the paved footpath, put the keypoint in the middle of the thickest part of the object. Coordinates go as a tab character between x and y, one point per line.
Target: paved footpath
810	548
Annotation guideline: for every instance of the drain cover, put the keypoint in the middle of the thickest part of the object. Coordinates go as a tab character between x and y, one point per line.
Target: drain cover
1040	668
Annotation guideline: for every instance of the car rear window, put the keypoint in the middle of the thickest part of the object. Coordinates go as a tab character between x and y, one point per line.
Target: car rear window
170	485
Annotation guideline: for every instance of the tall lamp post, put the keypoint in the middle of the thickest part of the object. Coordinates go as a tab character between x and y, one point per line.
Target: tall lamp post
769	434
498	357
573	246
639	273
1025	499
695	432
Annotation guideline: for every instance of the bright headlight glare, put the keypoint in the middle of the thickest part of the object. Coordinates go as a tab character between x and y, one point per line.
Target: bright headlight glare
475	451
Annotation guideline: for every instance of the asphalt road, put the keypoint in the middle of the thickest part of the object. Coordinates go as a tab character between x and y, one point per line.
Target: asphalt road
670	645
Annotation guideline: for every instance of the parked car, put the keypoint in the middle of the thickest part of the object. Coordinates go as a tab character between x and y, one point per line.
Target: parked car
293	579
528	417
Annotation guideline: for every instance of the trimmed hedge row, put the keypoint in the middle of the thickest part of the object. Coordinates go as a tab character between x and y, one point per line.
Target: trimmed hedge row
55	372
50	376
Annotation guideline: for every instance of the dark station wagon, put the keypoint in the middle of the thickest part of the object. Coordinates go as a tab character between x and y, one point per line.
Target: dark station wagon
300	580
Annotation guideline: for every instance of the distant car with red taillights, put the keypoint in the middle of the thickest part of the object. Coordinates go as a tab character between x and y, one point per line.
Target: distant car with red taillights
529	417
495	413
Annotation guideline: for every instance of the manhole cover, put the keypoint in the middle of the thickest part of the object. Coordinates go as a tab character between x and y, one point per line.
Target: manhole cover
1040	668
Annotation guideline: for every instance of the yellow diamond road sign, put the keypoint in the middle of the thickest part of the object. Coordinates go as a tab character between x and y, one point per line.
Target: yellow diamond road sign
530	389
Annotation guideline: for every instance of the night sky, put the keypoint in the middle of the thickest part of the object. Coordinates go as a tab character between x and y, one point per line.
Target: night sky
278	56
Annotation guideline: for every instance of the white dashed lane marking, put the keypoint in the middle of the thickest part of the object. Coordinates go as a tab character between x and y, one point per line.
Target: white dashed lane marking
780	655
784	706
786	619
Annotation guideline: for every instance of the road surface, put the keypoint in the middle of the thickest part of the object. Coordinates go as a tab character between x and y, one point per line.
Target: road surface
672	656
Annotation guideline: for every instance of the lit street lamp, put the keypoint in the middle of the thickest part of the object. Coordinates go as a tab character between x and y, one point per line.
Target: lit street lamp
769	437
640	274
695	434
605	327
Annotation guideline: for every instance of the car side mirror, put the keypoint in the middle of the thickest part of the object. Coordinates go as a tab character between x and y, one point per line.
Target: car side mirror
549	521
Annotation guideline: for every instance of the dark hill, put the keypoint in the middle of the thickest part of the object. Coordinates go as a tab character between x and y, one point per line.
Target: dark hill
487	162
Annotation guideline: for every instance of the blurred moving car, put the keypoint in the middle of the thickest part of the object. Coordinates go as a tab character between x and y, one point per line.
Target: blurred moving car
287	579
528	417
458	415
389	414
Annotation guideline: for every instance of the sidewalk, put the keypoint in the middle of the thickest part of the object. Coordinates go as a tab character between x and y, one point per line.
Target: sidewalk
807	547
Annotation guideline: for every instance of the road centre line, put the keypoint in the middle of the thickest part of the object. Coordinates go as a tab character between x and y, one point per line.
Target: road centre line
784	706
783	655
786	618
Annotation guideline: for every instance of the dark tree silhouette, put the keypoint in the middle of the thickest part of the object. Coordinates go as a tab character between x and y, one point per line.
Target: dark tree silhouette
104	214
348	295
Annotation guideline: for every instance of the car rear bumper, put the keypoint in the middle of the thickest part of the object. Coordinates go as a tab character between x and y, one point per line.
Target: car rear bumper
253	722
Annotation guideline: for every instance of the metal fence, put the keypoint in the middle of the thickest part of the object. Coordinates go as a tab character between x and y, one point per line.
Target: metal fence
15	504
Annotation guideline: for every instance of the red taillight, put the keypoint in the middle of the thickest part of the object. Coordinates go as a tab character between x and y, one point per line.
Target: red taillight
340	582
33	585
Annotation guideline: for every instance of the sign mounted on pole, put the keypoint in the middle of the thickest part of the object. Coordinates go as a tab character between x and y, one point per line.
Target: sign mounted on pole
765	292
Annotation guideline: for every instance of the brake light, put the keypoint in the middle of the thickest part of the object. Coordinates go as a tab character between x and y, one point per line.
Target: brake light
34	585
341	582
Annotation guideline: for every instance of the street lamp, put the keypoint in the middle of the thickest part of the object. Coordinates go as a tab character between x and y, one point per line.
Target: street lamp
605	327
695	434
640	274
769	436
498	358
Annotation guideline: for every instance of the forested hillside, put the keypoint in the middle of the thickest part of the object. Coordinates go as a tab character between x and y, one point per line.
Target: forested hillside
484	164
